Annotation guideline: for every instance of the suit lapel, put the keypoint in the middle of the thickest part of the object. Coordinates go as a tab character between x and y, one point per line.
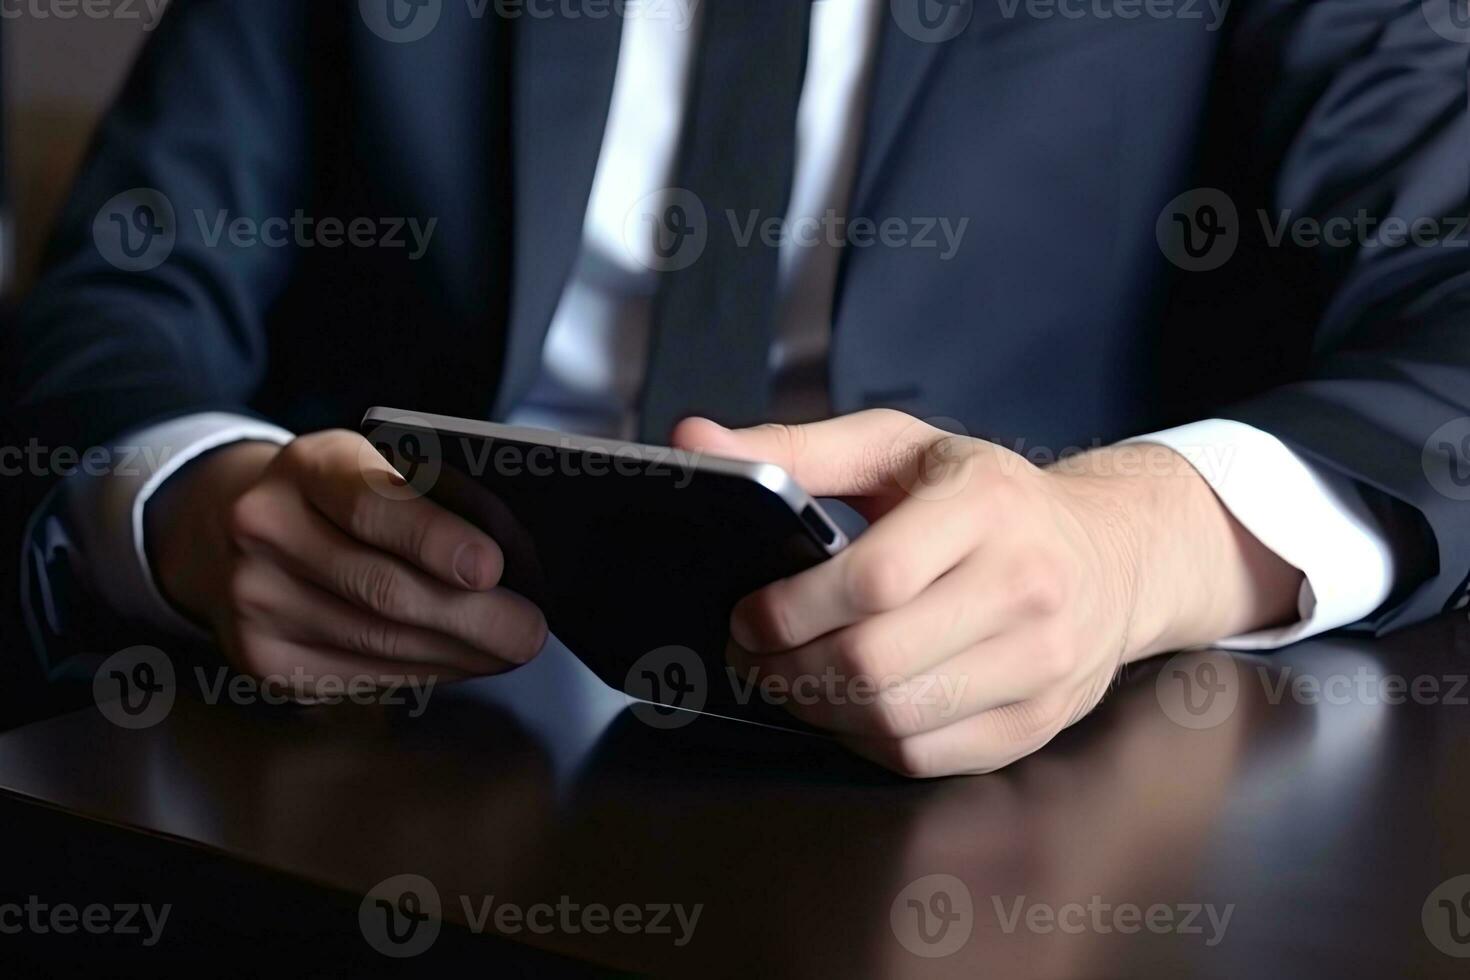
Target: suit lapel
561	87
562	78
903	68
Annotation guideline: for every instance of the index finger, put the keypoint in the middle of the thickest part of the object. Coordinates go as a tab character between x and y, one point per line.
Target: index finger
414	528
860	455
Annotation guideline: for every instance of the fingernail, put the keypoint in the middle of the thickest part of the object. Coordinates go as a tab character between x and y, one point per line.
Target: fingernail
469	565
741	635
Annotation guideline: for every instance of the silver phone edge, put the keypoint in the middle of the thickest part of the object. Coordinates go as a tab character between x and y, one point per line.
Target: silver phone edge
769	475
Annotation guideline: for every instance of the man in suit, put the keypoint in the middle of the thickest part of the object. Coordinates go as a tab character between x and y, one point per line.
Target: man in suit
1083	237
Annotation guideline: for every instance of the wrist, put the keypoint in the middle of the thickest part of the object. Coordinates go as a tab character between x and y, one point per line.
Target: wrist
1193	574
186	534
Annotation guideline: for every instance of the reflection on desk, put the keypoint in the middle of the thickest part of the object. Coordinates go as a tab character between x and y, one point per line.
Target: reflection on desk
1299	830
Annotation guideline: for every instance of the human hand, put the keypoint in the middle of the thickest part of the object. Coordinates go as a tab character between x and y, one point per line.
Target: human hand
990	602
301	568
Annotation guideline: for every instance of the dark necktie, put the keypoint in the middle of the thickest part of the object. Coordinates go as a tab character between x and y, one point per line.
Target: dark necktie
713	321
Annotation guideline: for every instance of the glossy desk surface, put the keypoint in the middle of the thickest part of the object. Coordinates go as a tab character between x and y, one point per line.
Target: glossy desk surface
1317	799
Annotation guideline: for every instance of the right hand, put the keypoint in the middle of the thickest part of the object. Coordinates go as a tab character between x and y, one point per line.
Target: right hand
304	571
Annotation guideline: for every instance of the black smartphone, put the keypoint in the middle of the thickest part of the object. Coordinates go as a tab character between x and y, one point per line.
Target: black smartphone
637	554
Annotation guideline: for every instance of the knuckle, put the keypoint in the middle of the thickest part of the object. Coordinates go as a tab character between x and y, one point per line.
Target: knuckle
260	657
535	635
877	463
889	417
381	638
318	454
789	442
855	654
1038	587
302	452
1025	727
251	518
946	455
796	439
770	617
379	587
912	758
248	590
1053	659
342	443
899	715
518	633
1004	496
879	584
416	537
363	513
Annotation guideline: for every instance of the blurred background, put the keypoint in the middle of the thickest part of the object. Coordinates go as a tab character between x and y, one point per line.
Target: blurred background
59	75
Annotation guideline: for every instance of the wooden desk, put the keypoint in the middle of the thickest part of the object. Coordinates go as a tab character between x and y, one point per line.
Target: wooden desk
1302	802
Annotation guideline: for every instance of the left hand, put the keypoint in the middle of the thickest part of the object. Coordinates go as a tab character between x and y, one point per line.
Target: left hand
990	603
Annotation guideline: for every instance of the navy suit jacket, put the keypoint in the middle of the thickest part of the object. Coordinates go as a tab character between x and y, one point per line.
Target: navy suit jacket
1060	323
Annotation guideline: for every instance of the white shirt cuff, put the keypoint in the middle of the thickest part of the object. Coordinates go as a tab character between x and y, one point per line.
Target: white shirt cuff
1314	520
106	510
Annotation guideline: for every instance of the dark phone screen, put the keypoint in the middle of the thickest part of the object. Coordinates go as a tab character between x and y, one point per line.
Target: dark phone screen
636	559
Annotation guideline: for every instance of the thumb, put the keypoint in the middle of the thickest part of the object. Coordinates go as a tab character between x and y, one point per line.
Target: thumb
861	455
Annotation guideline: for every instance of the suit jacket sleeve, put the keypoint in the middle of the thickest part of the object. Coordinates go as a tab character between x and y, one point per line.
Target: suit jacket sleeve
1381	141
212	122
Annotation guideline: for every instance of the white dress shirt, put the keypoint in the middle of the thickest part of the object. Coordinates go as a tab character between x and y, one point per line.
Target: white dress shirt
595	354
